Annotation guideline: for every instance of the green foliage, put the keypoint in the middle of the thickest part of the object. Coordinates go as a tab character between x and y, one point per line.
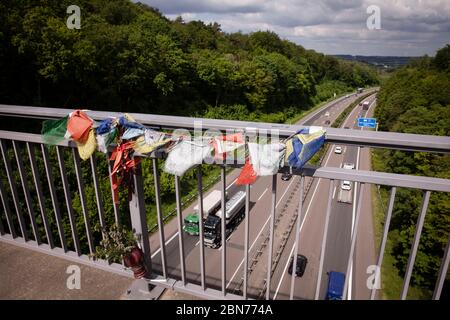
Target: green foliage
128	57
326	90
416	99
116	243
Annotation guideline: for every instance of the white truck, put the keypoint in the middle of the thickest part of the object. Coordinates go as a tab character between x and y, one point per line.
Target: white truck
345	190
234	209
365	105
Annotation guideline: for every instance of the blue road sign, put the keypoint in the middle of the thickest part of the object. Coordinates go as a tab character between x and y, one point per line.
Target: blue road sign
367	122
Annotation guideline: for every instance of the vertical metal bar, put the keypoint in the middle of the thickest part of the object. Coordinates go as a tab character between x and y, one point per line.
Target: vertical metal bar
324	239
2	230
200	225
9	218
139	216
353	241
415	245
26	191
223	232
73	227
271	230
349	275
40	194
442	272
98	194
387	222
12	185
162	238
115	205
87	222
247	221
55	202
180	229
297	237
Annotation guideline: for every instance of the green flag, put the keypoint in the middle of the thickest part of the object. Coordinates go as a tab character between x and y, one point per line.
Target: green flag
53	131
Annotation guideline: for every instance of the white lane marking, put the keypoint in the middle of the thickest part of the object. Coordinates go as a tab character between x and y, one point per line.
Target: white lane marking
301	226
262	194
350	278
345	148
176	233
334	191
167	242
293	247
263	227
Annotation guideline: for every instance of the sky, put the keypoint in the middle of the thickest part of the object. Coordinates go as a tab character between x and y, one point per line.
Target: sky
404	27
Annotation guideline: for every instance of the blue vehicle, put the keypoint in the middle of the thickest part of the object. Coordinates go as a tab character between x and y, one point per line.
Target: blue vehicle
335	288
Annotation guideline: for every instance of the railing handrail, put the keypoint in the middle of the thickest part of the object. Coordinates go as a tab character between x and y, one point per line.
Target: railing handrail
382	178
377	139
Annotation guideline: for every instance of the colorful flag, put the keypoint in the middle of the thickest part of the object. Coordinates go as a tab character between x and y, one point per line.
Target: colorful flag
79	125
266	159
187	154
53	131
303	145
86	149
247	175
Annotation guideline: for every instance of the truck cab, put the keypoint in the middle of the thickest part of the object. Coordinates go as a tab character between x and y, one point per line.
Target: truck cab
335	288
212	230
191	225
210	205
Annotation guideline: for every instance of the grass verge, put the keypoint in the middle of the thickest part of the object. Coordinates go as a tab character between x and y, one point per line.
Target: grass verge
391	279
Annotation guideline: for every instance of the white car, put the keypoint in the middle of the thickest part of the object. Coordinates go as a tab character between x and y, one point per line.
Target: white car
346	185
338	150
349	165
327	114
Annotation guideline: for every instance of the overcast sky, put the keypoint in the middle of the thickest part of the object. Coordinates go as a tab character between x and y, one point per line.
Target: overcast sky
408	27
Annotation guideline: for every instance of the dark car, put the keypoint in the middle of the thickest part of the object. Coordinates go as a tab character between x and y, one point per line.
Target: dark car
286	176
327	122
301	265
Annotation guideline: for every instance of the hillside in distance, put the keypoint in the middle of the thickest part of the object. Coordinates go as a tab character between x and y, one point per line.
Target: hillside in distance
381	62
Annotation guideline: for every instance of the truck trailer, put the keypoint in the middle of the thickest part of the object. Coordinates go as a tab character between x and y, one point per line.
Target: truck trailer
365	105
235	212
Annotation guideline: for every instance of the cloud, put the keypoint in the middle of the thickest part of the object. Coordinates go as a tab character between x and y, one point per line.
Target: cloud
202	6
408	27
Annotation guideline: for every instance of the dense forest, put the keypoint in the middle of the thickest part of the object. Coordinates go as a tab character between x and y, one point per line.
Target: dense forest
129	57
416	99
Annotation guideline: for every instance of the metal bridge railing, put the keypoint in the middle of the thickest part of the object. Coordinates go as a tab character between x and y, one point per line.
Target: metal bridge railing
21	228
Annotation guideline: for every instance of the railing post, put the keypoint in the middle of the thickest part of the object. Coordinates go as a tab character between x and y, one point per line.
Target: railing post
9	218
138	216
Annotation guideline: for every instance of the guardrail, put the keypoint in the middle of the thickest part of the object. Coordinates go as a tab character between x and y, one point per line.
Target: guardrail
34	231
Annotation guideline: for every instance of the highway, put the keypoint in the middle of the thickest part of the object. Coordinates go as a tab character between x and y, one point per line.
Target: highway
259	220
339	231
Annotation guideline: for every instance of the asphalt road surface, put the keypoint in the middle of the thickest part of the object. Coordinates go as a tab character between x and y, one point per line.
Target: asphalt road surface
259	219
339	231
